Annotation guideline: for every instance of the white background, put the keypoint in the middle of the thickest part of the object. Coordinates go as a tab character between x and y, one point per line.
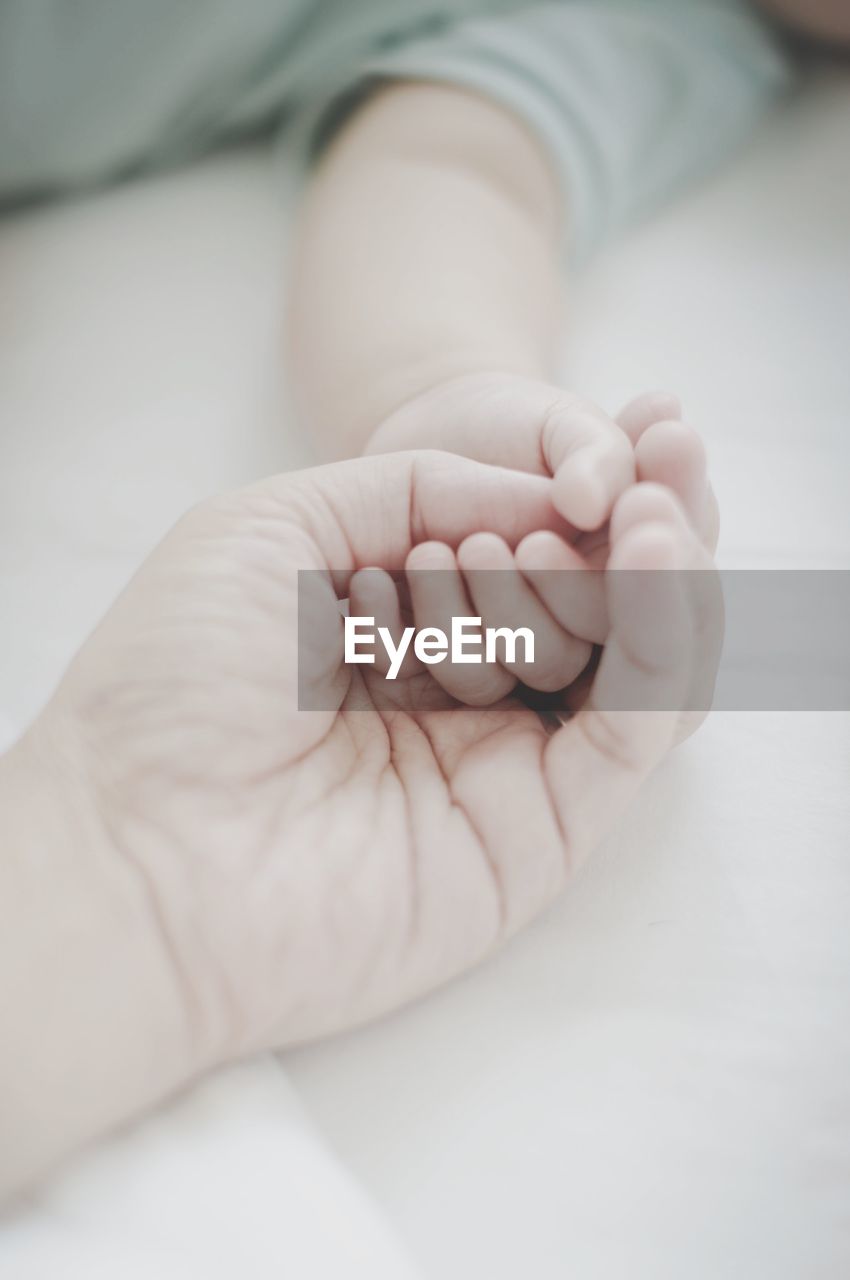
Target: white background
654	1081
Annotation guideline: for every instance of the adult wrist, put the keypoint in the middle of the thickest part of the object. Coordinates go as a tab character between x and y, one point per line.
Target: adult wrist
94	1025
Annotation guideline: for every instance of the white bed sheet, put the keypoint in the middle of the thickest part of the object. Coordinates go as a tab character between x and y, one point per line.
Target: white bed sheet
652	1082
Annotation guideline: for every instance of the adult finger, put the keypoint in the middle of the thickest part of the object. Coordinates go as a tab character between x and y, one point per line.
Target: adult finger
372	511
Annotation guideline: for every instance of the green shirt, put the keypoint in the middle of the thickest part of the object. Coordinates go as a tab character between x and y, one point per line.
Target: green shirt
630	97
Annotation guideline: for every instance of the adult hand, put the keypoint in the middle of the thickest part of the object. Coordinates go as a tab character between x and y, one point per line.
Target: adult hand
199	869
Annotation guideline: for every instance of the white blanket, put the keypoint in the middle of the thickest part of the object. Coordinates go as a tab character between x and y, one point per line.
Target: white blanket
654	1081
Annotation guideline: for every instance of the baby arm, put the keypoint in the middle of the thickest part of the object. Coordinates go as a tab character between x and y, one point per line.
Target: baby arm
427	301
428	250
428	294
429	284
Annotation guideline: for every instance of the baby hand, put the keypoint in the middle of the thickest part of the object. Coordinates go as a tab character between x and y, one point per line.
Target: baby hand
528	425
525	425
512	421
543	602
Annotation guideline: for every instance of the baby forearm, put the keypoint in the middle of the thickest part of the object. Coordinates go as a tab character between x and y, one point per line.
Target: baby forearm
429	247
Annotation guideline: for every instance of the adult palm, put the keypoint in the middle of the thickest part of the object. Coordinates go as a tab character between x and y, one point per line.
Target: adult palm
308	869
